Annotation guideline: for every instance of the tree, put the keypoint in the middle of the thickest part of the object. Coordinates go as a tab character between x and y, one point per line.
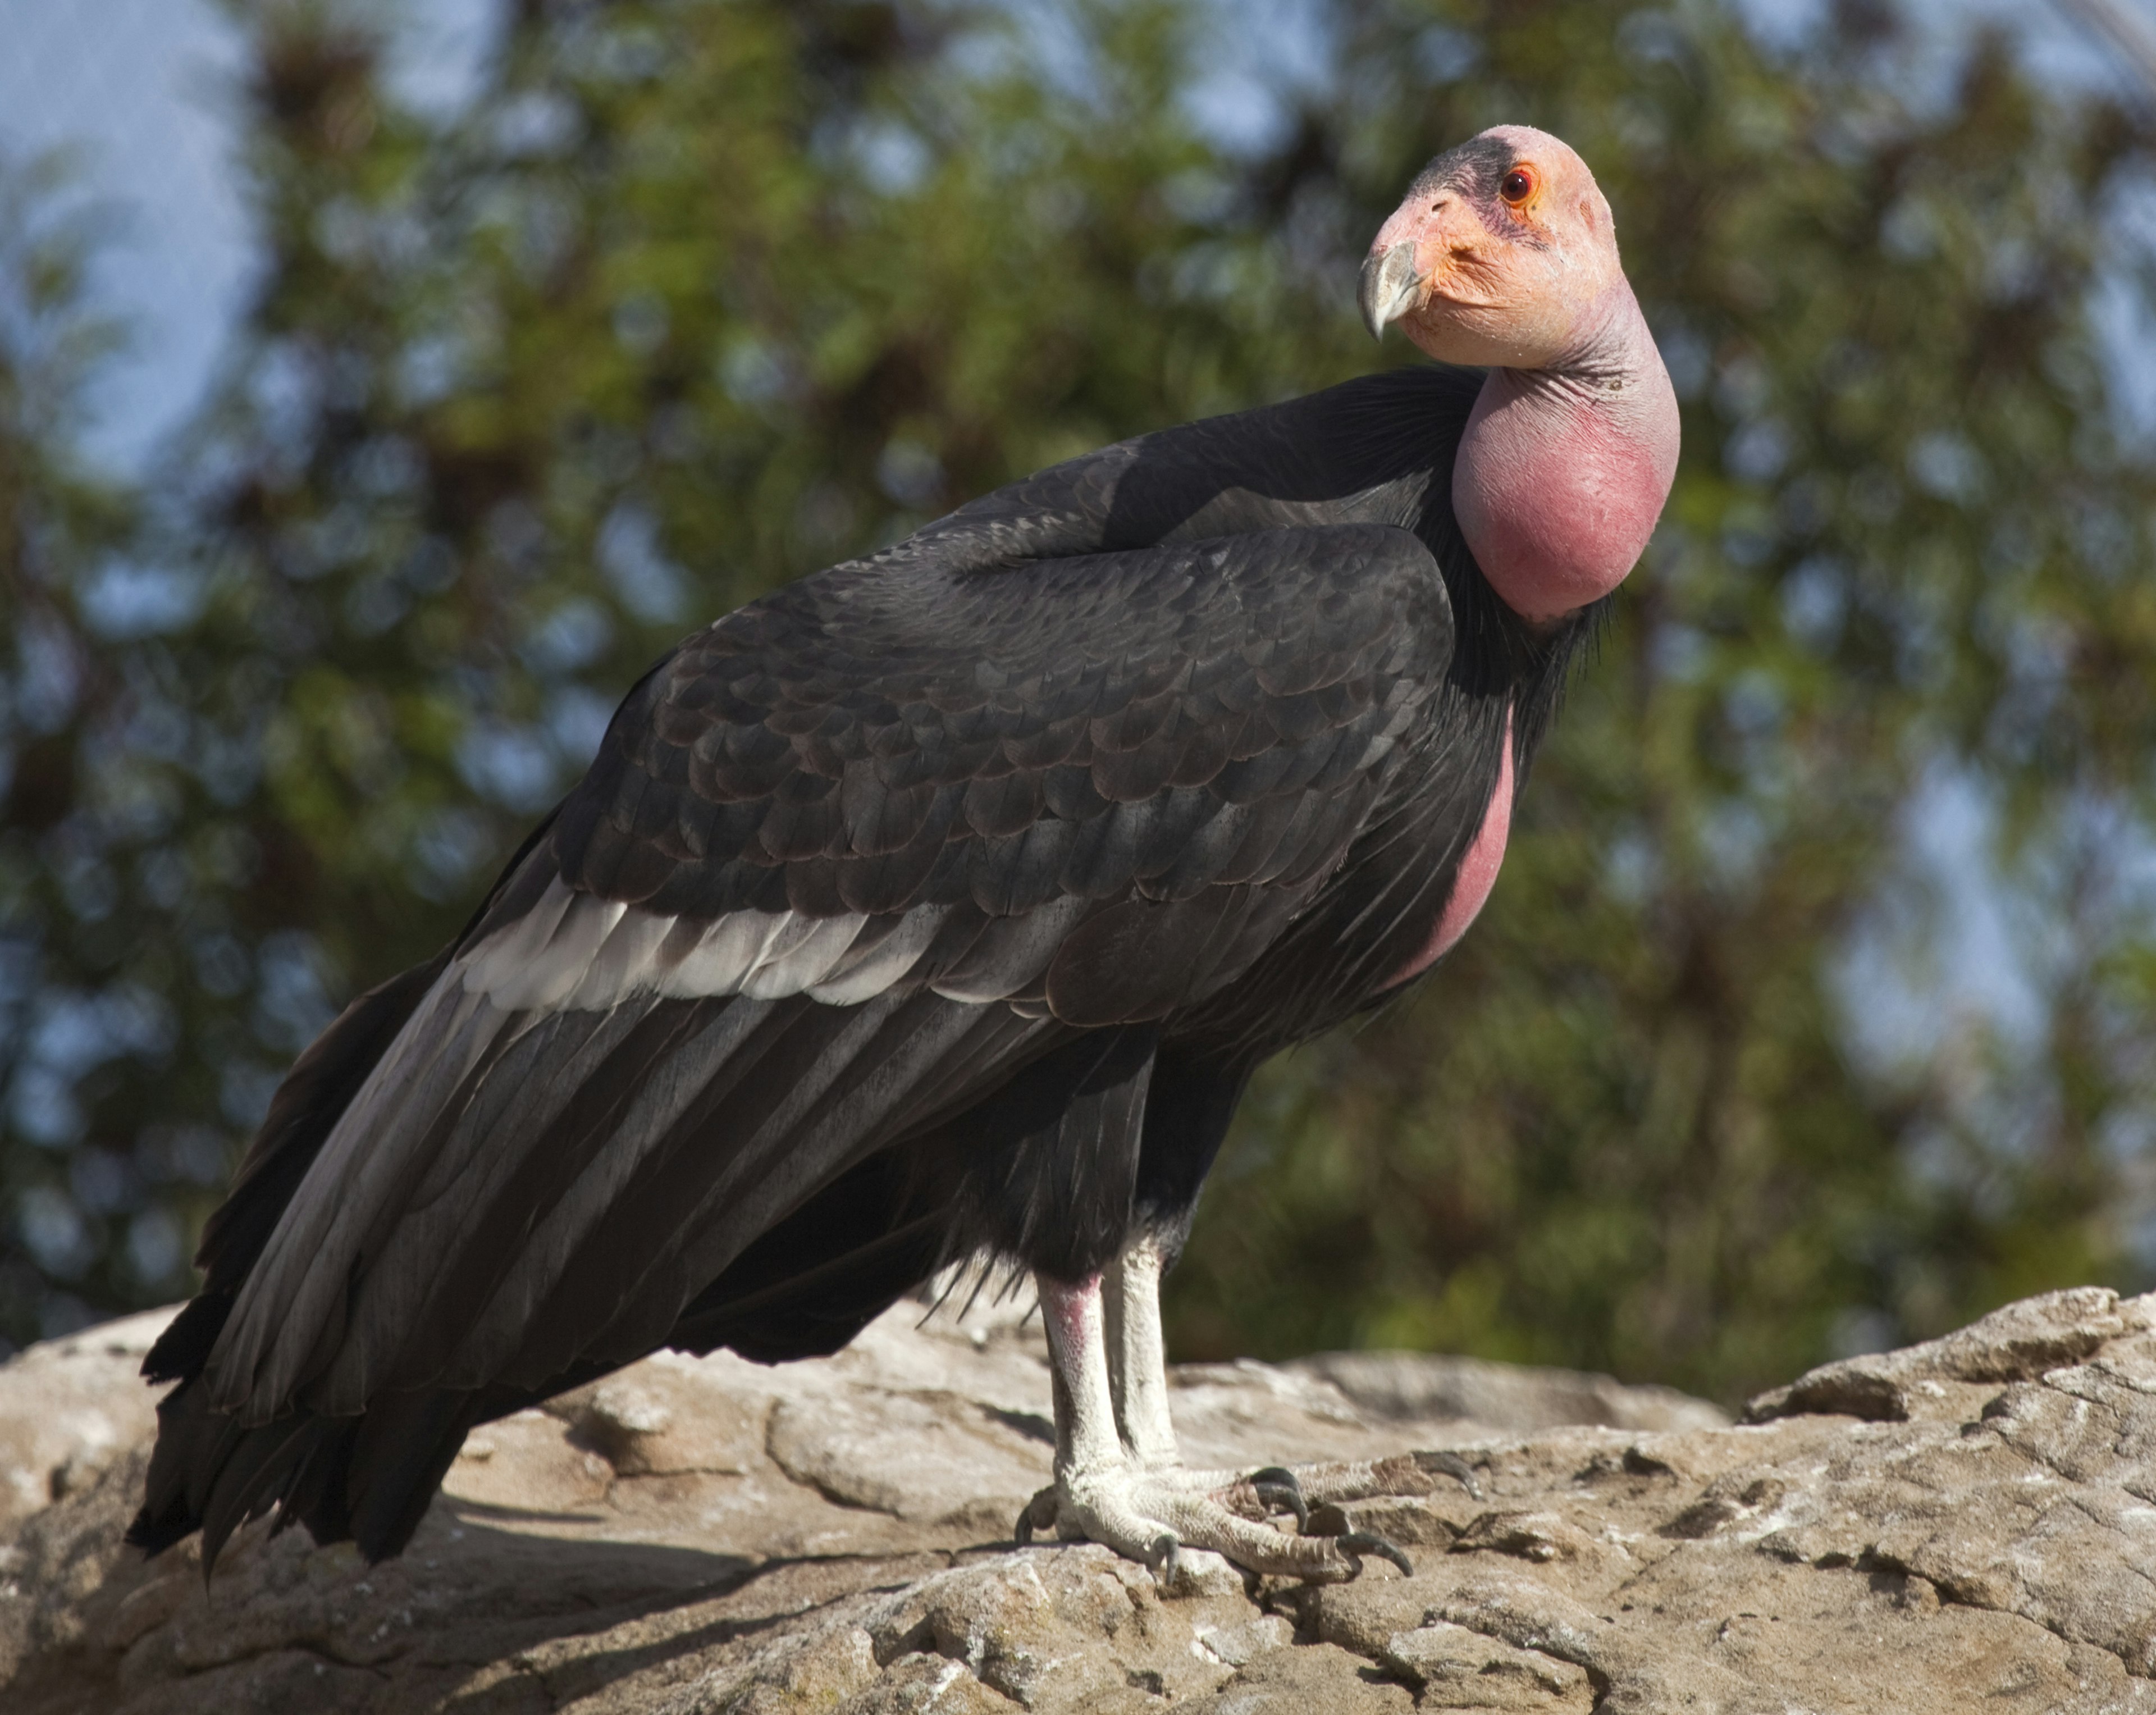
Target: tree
696	298
1632	1123
63	537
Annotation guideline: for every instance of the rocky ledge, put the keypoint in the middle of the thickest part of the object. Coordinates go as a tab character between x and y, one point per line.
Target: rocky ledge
1969	1523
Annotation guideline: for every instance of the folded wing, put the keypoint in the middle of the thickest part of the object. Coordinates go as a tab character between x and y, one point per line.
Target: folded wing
847	861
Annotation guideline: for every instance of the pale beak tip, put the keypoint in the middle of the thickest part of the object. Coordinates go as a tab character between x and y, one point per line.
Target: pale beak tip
1388	287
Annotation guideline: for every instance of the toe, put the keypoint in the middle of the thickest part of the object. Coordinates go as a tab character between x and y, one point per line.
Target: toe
1356	1543
1363	1479
1040	1514
1152	1516
1453	1466
1277	1488
1201	1522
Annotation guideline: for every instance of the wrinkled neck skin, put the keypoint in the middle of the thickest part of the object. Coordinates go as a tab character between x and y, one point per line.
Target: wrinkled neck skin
1562	470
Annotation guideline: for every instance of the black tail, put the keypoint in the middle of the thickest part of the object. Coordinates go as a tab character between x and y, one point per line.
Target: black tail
369	1478
805	1289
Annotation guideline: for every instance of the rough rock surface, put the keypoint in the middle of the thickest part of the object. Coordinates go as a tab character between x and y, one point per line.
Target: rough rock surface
1970	1523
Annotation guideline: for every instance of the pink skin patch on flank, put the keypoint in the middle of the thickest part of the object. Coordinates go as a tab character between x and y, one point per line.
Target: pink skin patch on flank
1477	873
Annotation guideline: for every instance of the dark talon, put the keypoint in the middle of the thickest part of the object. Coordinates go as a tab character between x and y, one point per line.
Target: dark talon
1453	1466
1165	1560
1359	1542
1276	1485
1038	1514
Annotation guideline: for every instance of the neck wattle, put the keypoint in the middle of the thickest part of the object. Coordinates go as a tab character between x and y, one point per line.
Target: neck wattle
1563	471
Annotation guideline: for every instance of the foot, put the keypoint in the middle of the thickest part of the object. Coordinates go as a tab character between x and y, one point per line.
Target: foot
1119	1482
1150	1515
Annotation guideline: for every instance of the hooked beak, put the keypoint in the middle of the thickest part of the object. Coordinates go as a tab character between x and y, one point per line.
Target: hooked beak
1389	285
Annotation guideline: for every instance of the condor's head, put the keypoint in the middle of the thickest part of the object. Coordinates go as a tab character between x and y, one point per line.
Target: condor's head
1503	252
1505	255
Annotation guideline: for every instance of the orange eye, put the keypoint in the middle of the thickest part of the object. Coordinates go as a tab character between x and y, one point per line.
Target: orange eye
1518	185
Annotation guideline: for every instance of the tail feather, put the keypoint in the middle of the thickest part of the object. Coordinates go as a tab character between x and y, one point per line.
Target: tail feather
184	1347
402	1449
368	1479
257	1465
813	1284
209	1472
804	1288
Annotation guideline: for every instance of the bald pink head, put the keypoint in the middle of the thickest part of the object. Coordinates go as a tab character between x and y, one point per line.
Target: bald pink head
1504	253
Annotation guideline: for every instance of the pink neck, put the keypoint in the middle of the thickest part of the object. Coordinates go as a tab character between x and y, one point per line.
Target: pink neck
1562	470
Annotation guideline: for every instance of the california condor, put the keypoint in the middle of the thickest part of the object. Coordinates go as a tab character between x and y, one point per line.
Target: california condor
939	906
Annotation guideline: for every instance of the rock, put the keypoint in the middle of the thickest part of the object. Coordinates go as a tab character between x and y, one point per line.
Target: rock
62	1420
1970	1522
1320	1677
2016	1344
1450	1667
1404	1387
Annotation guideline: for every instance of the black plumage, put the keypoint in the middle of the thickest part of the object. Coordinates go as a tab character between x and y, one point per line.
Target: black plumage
938	904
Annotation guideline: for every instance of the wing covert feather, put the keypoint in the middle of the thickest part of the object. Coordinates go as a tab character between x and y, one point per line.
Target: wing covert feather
846	859
849	731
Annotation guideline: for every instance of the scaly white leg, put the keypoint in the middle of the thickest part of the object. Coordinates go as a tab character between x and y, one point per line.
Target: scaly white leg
1109	1488
1138	1355
1085	1439
1137	1380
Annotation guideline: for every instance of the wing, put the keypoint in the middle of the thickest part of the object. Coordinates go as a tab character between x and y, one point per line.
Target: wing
847	859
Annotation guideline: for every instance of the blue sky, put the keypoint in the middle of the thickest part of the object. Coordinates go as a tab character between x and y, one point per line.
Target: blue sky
132	87
142	92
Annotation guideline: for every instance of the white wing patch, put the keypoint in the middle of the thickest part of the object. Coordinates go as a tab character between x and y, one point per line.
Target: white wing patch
434	1111
574	953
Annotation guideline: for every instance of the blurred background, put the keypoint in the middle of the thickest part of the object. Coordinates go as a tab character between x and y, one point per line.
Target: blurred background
382	388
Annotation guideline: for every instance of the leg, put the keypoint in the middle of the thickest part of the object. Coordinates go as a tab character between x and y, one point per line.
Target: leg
1137	1354
1137	1379
1107	1491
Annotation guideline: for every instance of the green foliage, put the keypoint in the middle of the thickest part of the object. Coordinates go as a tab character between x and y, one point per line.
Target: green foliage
1629	1125
697	297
